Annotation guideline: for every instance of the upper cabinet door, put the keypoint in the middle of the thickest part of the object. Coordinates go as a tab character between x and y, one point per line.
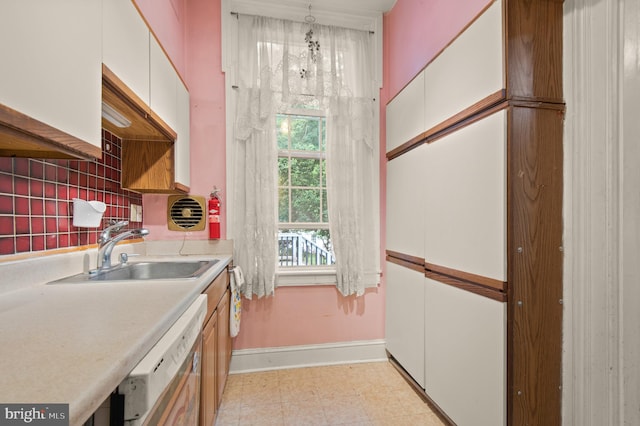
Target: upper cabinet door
465	197
182	144
163	84
125	44
51	63
467	71
405	114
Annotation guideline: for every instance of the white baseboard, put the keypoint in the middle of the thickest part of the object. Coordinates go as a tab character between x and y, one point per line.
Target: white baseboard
263	359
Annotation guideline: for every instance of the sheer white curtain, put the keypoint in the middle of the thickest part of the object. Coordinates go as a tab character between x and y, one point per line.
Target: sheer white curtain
277	70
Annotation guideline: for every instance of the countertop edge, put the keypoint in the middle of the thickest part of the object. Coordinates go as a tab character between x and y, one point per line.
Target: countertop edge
90	401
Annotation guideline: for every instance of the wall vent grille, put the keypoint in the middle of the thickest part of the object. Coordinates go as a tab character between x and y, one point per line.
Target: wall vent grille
186	213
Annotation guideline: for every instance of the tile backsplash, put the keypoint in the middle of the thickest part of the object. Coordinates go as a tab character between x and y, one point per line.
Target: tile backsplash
36	207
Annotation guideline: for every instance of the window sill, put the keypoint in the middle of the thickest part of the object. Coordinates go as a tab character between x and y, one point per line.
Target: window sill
306	277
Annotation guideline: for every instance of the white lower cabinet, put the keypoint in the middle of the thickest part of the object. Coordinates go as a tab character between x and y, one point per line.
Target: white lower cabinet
404	323
465	364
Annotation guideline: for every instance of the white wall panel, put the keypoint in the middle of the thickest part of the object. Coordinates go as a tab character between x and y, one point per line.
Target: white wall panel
465	366
405	114
465	199
405	202
467	71
404	321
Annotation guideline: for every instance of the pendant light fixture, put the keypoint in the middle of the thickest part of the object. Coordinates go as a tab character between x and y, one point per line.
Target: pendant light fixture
313	45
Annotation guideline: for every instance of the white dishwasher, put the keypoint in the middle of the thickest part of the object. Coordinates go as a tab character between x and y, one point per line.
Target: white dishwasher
164	388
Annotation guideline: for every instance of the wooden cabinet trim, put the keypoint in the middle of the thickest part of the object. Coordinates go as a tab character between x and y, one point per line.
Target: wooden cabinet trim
477	284
147	166
475	112
223	345
216	354
181	188
534	247
469	286
411	262
215	291
420	391
23	136
492	283
208	388
533	49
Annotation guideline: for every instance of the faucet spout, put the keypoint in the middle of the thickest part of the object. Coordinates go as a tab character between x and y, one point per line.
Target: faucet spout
114	226
106	247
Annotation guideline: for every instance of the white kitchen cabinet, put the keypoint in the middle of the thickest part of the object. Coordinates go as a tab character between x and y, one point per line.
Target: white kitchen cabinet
51	64
492	180
467	71
145	77
405	319
406	203
125	45
465	363
163	98
465	198
405	114
182	144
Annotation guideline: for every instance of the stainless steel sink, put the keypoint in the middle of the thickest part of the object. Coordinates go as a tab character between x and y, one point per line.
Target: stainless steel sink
145	271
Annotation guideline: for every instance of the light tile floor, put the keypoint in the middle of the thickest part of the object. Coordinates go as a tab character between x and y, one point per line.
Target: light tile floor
355	394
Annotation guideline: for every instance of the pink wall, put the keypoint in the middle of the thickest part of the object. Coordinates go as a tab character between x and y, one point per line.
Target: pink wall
310	315
415	31
190	33
168	18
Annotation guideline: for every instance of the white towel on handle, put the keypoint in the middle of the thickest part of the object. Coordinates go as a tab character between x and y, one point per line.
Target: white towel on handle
237	281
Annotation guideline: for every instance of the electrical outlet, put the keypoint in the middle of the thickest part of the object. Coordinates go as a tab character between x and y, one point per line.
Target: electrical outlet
135	213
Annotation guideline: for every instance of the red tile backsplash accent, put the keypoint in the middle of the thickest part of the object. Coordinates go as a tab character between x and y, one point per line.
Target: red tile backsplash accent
36	207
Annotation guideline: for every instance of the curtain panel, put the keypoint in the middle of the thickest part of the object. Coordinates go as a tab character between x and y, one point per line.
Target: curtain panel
279	68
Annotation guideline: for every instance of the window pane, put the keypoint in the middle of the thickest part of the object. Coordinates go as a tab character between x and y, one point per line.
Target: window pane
304	132
305	172
282	127
305	205
324	173
283	205
325	211
283	171
304	247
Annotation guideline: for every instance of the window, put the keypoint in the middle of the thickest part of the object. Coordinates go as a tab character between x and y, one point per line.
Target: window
303	224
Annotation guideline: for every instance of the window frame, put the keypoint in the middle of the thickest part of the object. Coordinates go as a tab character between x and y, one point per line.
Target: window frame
315	274
229	68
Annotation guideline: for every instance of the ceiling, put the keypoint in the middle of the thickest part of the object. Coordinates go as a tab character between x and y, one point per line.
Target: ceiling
362	6
361	14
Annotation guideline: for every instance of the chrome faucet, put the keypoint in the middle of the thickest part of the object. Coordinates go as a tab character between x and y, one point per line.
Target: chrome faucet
107	242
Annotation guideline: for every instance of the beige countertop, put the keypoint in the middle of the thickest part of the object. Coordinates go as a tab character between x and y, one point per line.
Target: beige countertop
74	343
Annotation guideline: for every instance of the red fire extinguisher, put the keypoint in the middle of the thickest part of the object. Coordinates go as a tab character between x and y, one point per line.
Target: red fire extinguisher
214	214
